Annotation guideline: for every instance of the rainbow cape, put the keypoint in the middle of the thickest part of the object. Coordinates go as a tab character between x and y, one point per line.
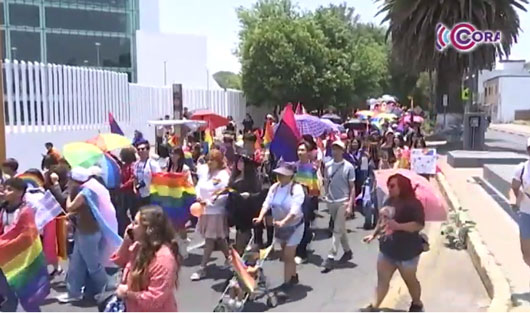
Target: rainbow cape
175	193
240	269
22	261
269	134
306	175
111	171
32	180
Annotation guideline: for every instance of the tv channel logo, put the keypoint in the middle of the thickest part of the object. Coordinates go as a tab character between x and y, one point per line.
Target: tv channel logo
464	37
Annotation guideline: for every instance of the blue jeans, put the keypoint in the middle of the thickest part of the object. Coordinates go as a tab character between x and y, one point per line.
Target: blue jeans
11	304
86	258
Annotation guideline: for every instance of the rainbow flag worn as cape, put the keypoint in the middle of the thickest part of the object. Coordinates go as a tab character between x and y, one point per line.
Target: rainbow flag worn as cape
269	134
22	261
175	193
240	269
306	175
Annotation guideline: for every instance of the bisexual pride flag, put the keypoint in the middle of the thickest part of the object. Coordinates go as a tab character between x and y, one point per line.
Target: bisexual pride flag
175	193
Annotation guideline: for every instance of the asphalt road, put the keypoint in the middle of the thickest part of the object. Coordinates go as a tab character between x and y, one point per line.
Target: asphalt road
500	141
346	288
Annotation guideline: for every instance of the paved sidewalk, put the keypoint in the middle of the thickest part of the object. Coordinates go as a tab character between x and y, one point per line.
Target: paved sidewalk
514	129
497	229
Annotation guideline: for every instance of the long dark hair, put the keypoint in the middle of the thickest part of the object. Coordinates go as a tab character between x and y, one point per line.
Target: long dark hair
180	163
406	191
250	175
158	232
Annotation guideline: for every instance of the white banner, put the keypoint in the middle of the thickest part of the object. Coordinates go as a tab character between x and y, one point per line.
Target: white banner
423	161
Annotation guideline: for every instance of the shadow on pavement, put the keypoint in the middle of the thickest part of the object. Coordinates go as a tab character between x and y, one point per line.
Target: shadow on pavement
518	297
315	259
299	292
192	260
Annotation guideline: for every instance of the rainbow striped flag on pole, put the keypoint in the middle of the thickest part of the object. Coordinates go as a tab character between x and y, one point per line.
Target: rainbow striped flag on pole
240	269
269	134
175	193
22	261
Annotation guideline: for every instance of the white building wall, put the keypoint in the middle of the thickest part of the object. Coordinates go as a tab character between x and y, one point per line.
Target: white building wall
183	56
514	95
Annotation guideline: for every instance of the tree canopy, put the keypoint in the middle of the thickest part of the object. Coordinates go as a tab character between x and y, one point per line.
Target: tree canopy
321	58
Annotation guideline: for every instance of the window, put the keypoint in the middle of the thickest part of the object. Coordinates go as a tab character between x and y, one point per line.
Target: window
113	4
25	46
82	50
24	15
86	20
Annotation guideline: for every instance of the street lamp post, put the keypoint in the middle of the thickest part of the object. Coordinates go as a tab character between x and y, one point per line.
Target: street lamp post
471	73
14	53
98	46
165	73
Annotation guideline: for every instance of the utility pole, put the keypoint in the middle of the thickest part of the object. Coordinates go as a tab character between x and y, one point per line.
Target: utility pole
165	73
98	46
470	67
2	109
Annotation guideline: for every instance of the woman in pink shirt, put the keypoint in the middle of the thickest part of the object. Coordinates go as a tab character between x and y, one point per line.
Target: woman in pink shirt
150	258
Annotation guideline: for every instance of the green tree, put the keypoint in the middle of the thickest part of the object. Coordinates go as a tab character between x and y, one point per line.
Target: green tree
412	25
228	80
322	58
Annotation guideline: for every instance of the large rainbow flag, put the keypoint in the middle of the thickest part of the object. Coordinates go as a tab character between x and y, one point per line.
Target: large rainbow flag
240	270
175	193
22	261
269	134
32	180
306	175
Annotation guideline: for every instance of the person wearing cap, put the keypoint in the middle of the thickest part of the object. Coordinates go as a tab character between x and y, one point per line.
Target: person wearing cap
339	179
284	200
387	150
521	190
86	255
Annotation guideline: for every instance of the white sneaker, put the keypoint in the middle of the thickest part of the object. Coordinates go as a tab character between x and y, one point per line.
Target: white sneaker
65	298
239	306
198	275
298	260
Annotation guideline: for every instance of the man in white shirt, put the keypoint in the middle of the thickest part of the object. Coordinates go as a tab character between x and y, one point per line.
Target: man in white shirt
339	180
521	190
143	173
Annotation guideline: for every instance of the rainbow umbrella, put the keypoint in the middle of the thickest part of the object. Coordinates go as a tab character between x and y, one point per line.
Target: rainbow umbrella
387	116
109	142
82	154
365	114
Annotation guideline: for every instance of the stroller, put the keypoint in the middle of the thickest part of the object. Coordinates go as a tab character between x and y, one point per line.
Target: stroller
367	202
253	288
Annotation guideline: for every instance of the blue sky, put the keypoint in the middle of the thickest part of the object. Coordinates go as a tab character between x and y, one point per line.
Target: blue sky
217	20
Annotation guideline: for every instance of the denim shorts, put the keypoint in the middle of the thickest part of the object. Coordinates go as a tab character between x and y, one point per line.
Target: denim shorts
412	263
524	225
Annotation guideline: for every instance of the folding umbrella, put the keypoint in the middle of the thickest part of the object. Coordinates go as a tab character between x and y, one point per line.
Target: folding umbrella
109	142
82	154
312	125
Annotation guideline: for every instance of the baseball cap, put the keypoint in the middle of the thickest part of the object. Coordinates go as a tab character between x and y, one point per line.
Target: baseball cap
80	174
284	169
340	144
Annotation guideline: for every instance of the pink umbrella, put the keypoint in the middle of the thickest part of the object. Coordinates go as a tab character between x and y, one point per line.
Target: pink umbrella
417	119
429	196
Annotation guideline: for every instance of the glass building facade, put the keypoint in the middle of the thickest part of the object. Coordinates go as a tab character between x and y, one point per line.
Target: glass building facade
92	33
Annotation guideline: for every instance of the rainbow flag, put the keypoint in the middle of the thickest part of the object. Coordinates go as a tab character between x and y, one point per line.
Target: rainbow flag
269	134
241	271
32	180
208	139
22	261
306	175
175	193
111	172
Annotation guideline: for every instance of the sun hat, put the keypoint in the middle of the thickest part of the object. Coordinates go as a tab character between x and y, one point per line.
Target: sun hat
80	174
340	144
284	169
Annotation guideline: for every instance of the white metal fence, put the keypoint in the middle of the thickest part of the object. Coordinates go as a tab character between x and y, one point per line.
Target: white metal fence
60	104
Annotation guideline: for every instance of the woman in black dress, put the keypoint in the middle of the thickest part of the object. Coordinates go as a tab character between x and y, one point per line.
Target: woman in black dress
245	201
